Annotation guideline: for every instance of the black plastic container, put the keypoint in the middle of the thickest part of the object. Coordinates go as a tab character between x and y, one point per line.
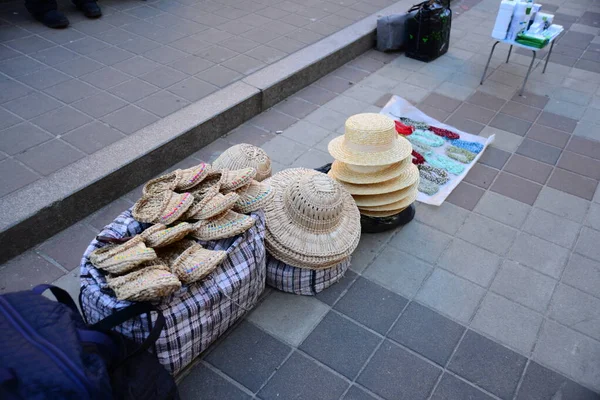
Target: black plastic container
428	30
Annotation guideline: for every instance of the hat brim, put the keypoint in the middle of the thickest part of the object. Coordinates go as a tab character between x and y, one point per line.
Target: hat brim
407	177
375	200
401	204
400	149
341	172
340	241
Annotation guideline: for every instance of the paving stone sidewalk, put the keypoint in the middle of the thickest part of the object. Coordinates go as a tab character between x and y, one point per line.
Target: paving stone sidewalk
493	295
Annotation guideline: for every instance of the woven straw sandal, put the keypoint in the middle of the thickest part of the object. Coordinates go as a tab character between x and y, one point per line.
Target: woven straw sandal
147	284
160	236
191	177
190	261
162	208
222	226
233	180
254	196
122	258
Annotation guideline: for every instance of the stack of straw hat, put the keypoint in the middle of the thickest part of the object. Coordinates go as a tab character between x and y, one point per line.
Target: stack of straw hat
312	221
374	164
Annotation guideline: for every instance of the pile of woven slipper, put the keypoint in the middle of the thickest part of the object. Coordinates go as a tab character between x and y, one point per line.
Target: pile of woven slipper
204	203
374	164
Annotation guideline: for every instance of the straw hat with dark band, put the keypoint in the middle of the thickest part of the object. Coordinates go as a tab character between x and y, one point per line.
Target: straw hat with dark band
370	139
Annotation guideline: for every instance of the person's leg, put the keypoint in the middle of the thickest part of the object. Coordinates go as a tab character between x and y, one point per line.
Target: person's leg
47	12
90	8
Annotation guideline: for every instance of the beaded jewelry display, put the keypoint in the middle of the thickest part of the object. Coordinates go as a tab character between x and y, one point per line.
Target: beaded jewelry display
403	129
445	133
417	159
427	137
473	147
428	187
460	154
433	174
420	147
414	124
440	161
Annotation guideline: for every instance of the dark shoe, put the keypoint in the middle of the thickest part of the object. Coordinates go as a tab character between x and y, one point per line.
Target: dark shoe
90	9
52	19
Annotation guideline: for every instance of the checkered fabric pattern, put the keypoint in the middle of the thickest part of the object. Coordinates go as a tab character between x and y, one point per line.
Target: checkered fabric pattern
197	314
308	282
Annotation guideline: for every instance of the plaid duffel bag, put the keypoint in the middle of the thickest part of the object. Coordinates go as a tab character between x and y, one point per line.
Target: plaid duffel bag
197	314
307	282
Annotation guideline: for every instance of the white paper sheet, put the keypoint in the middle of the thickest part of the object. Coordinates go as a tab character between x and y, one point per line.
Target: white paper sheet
398	107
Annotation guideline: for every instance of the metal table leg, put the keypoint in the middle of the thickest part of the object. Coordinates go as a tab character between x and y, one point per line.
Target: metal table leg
528	72
508	56
488	62
548	58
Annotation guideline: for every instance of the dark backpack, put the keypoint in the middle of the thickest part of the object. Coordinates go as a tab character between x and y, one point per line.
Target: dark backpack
49	352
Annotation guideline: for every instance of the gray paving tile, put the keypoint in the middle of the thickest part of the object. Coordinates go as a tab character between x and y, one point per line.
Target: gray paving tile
139	45
355	393
248	355
539	151
26	271
297	379
494	158
486	100
488	364
71	91
44	78
427	332
541	383
312	158
447	217
452	388
398	272
107	214
165	55
521	111
287	317
136	66
334	84
548	135
190	45
86	45
286	44
421	240
13	176
371	305
93	137
217	54
577	310
192	89
413	378
543	224
540	254
129	119
21	137
163	77
589	148
593	216
451	295
11	89
465	195
204	382
346	105
563	204
516	188
340	344
249	134
133	90
470	262
579	164
115	36
316	95
162	103
32	105
487	233
528	168
219	75
54	55
368	248
298	108
331	294
510	124
555	349
584	274
557	122
243	64
191	65
465	125
475	113
503	140
587	243
99	105
19	66
50	156
78	66
61	120
574	184
433	112
531	99
481	175
68	246
503	209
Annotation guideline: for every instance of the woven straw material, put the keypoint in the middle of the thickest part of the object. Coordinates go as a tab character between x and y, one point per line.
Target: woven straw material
374	200
254	196
196	262
203	194
382	214
191	177
222	226
407	177
370	139
161	184
166	236
147	284
342	172
233	180
162	208
217	205
401	204
122	258
243	156
312	215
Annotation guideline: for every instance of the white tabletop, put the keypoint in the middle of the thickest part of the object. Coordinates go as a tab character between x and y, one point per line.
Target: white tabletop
513	43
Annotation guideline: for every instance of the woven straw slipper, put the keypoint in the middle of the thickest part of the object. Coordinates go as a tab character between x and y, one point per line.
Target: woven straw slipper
191	262
374	200
162	208
149	283
254	196
222	226
410	197
345	172
233	180
161	184
370	139
122	258
218	204
191	177
243	156
312	214
408	177
160	236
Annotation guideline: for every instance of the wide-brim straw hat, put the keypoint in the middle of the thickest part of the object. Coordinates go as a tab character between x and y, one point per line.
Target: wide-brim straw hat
122	258
162	208
222	226
236	179
374	200
370	139
311	214
408	177
382	214
190	177
149	283
160	236
196	262
351	174
401	204
255	196
217	204
243	156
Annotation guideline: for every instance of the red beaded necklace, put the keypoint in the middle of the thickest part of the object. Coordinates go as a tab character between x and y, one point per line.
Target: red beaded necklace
444	133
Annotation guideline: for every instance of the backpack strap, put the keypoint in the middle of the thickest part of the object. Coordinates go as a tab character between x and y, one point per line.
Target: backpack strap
62	296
